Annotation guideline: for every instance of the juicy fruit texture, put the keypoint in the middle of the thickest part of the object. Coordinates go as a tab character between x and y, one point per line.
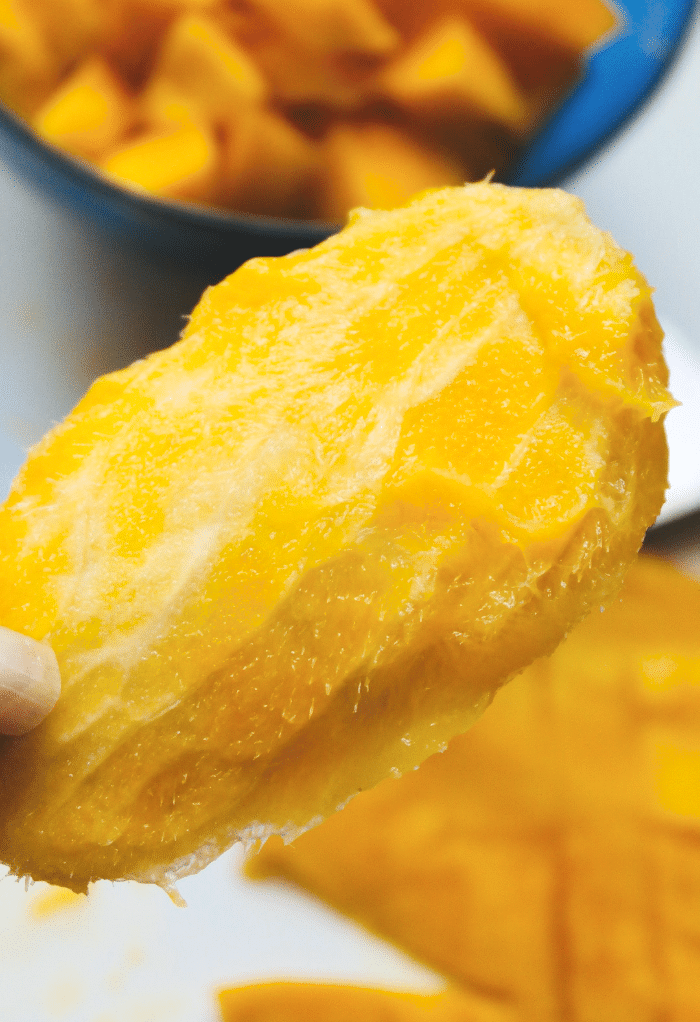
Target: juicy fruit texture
552	855
303	109
301	1002
299	550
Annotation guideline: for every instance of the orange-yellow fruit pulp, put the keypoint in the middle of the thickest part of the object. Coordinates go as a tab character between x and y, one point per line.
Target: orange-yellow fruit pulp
549	859
301	1002
300	549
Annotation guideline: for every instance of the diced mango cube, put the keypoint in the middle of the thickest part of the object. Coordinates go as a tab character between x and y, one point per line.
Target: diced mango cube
313	1002
378	166
334	25
90	113
299	75
575	24
210	71
133	30
163	105
70	28
676	765
268	166
177	164
452	71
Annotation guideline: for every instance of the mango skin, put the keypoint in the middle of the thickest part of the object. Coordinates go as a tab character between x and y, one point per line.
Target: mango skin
300	549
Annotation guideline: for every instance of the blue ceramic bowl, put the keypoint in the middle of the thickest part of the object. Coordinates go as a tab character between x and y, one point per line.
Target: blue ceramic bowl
619	78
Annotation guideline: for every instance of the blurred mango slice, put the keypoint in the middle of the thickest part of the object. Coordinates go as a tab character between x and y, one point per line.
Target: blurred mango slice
317	1002
268	165
460	84
573	25
576	26
299	550
551	855
133	32
70	28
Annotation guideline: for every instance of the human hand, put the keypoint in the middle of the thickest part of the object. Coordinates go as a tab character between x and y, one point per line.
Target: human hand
30	682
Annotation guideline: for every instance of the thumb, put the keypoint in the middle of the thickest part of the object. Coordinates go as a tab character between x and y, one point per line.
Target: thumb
30	682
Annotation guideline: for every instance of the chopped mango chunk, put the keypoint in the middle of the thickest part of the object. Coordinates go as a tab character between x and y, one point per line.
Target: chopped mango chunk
268	165
70	28
678	775
90	113
331	25
180	163
299	76
575	25
452	72
27	69
211	70
378	166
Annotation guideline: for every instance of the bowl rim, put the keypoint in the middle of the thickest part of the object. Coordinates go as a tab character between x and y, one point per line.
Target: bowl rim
593	113
645	44
79	171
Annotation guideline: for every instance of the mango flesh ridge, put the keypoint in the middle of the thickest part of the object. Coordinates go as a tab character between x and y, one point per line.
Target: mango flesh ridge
299	550
551	855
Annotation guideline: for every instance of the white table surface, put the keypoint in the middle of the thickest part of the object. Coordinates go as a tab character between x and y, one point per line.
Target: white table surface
72	307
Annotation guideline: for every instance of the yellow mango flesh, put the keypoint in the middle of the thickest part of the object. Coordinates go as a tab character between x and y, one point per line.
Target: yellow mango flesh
299	550
452	67
301	1002
377	166
27	71
578	25
209	69
177	163
549	858
89	113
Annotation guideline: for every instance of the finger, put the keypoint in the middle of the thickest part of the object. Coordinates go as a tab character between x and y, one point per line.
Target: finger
30	682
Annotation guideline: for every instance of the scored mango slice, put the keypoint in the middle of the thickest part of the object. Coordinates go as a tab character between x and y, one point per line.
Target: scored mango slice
552	855
299	550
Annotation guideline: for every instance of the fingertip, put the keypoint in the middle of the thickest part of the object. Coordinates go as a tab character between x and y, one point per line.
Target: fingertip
30	682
